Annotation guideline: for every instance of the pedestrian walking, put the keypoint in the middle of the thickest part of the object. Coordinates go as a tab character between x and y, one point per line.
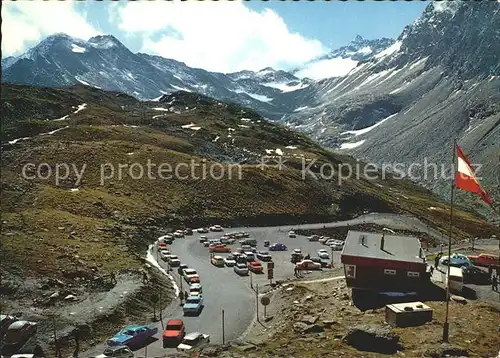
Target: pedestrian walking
113	278
441	248
494	283
490	271
186	295
431	270
295	271
436	261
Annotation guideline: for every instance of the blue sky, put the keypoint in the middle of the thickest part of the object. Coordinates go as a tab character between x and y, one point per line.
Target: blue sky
219	36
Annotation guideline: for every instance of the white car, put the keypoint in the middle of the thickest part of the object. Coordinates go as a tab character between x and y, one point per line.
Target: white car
292	234
189	272
323	255
194	340
216	228
249	256
337	246
195	289
297	251
229	261
117	352
172	257
322	250
164	254
203	239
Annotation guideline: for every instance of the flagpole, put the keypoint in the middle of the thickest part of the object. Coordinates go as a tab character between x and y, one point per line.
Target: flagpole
446	327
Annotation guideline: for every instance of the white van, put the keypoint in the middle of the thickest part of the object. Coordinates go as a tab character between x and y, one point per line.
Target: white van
456	279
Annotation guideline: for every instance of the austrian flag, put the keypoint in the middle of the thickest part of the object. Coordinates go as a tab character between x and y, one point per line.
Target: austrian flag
465	178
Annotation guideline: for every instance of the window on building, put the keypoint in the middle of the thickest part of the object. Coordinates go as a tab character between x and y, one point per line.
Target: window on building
413	274
389	272
350	271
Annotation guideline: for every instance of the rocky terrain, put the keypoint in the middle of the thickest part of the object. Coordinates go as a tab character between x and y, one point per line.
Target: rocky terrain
407	103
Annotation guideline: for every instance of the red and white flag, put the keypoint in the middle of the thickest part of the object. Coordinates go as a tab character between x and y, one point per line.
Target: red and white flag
465	178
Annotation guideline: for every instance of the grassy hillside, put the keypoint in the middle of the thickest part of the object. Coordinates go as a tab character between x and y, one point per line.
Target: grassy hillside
102	224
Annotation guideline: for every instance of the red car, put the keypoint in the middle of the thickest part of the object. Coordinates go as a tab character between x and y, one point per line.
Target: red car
220	248
485	260
255	267
174	333
161	246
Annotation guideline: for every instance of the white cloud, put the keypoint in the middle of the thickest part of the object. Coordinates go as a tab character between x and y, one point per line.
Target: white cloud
27	22
217	36
335	67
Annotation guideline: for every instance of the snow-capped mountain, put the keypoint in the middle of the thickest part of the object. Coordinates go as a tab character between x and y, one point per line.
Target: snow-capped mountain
438	81
339	62
104	62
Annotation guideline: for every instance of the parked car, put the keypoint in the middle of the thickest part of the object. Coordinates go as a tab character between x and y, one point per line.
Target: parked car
217	261
227	240
220	248
179	233
241	268
475	275
161	246
117	352
277	247
308	265
193	305
173	333
19	332
175	262
202	230
313	238
188	231
266	243
203	239
229	261
133	335
249	242
189	274
297	251
172	257
206	244
264	256
337	246
323	263
292	234
249	256
194	340
216	228
5	322
485	260
457	260
324	255
181	269
255	267
195	289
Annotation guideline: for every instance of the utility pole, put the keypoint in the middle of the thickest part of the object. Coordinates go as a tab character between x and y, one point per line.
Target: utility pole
58	352
159	308
331	262
223	339
250	274
257	300
180	292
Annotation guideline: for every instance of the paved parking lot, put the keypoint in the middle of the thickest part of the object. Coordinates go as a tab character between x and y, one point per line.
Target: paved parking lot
283	268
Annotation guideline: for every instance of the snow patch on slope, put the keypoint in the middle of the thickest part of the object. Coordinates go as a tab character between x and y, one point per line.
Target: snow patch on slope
77	49
368	129
351	145
335	67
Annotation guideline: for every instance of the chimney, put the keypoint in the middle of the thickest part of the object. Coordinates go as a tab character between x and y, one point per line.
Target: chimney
382	242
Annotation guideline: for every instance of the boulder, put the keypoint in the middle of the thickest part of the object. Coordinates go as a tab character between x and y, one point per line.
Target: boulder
373	338
309	319
446	350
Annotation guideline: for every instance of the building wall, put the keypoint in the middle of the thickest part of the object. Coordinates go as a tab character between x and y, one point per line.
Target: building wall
384	278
